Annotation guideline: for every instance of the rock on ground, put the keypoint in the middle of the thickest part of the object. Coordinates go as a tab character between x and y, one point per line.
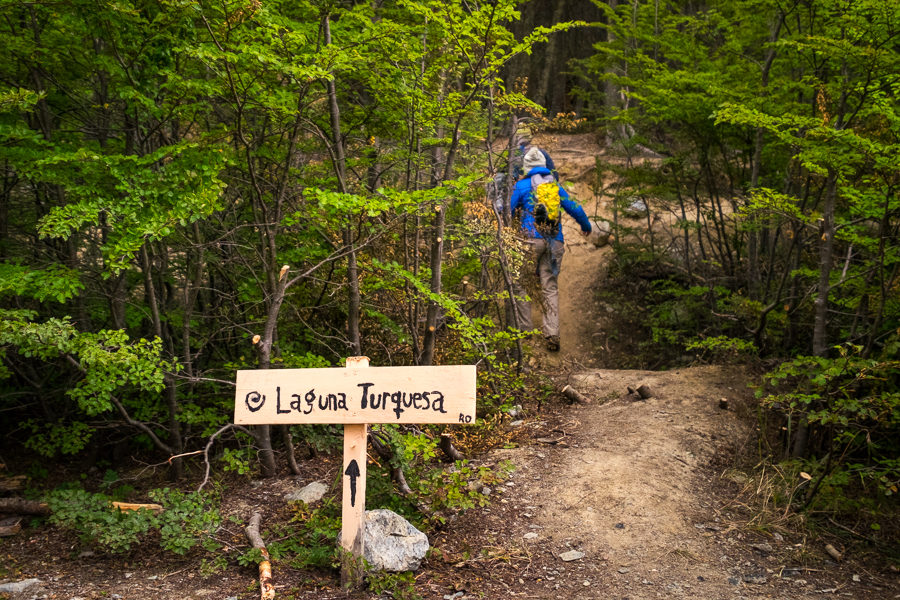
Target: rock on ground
15	587
309	494
392	543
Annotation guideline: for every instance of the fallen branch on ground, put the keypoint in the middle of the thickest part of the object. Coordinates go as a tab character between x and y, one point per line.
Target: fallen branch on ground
20	506
266	587
574	395
157	508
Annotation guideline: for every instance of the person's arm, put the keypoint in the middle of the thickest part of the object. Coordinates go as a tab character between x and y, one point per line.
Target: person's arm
575	211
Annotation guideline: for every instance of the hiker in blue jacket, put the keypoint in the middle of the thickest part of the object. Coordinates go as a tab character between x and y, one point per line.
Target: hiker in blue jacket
547	246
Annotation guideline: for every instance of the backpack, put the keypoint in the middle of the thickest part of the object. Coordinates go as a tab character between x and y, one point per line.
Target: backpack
498	193
518	163
545	192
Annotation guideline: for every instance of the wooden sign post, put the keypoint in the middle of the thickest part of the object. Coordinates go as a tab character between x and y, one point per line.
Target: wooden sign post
355	396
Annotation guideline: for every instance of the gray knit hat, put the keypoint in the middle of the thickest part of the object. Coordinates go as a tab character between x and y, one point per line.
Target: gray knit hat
534	158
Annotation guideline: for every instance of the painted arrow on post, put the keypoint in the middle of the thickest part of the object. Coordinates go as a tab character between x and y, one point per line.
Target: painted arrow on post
352	472
355	397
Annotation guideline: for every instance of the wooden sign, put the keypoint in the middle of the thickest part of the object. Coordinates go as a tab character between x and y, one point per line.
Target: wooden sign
443	394
355	396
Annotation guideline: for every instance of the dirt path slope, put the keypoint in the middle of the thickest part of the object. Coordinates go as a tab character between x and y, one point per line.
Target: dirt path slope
626	498
640	490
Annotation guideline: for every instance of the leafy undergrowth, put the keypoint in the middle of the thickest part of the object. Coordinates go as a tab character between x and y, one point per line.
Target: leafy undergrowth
205	528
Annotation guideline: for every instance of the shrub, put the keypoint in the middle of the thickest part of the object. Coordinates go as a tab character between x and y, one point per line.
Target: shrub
187	520
846	411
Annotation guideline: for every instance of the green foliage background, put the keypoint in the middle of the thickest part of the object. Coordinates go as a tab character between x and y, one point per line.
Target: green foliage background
766	134
180	177
191	188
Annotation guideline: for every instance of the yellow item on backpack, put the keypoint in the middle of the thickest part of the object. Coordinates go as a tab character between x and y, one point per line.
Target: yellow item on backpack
546	205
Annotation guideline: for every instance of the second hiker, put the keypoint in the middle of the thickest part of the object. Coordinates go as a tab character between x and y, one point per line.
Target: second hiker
536	202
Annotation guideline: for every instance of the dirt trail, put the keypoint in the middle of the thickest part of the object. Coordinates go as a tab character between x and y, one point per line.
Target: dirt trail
584	265
640	490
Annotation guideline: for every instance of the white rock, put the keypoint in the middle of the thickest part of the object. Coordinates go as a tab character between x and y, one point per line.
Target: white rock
530	535
636	208
309	494
763	547
15	587
392	543
571	555
600	232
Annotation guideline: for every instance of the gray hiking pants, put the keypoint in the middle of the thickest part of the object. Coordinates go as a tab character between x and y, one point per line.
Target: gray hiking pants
547	259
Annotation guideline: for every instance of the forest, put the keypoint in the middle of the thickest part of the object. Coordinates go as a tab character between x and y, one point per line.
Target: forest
190	188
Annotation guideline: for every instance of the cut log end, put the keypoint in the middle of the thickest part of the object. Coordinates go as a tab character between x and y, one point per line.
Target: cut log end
833	552
574	395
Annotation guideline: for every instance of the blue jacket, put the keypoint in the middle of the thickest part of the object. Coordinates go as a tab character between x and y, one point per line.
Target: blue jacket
523	200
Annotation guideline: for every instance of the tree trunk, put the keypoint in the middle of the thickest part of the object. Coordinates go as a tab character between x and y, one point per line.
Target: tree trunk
543	94
353	303
263	433
753	277
826	261
288	441
171	394
431	315
386	453
613	92
437	251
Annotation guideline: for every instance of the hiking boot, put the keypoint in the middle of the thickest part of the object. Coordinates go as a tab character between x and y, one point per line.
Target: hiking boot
553	343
